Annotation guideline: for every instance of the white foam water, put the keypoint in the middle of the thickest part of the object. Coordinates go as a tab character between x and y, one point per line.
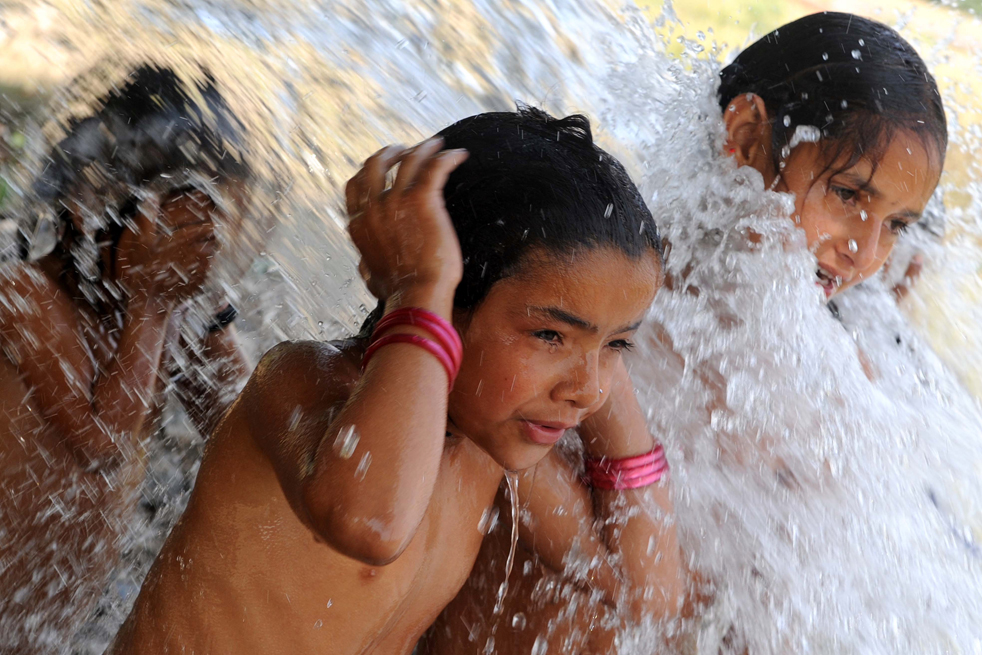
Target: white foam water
833	513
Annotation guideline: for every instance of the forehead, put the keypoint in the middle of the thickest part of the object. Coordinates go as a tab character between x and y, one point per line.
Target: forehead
602	283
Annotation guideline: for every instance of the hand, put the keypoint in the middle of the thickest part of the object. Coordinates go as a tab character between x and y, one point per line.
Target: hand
910	277
405	236
168	252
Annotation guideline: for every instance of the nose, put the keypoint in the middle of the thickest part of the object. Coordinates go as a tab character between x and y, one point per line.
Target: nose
580	386
862	243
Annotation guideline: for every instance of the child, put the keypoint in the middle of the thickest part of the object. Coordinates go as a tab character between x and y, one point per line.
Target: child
859	141
342	501
83	330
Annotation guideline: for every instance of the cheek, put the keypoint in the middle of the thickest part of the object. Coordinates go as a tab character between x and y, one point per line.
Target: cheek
818	217
500	375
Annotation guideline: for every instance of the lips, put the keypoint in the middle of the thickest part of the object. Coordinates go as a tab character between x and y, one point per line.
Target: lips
829	281
545	433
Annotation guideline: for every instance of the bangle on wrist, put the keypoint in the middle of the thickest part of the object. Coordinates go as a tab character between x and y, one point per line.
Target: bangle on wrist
446	345
626	472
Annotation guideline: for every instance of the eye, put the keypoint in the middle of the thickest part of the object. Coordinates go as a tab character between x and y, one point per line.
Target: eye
899	227
549	336
845	193
621	345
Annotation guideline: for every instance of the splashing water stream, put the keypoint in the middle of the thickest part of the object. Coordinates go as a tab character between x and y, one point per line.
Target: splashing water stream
833	513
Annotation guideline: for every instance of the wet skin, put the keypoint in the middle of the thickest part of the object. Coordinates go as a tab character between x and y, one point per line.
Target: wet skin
248	570
852	217
830	205
79	394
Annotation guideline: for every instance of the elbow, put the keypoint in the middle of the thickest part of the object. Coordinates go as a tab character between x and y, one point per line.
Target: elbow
372	538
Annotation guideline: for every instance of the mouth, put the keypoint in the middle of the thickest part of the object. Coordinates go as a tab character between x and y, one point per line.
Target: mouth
545	433
829	282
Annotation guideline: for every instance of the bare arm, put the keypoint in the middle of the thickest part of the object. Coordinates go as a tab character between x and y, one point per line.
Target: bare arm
627	535
97	413
397	409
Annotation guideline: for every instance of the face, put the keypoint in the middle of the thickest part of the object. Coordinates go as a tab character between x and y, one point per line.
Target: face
179	209
541	347
852	217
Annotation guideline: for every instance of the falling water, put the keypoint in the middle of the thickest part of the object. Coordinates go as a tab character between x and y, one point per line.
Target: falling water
511	477
833	514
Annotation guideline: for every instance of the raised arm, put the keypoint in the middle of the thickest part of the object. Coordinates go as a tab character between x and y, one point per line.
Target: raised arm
100	411
627	535
362	473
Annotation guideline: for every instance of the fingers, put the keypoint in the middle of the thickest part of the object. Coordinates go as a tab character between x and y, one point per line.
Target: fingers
411	164
434	175
913	272
367	185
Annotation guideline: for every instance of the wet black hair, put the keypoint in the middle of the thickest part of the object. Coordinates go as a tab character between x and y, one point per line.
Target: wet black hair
532	181
149	130
151	127
854	79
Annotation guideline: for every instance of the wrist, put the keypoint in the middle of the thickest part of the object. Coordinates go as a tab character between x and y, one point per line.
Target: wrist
435	297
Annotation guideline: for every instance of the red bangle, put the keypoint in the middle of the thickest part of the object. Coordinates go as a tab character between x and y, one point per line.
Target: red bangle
430	346
436	325
628	472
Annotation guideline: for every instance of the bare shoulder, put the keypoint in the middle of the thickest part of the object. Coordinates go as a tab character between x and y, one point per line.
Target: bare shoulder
311	377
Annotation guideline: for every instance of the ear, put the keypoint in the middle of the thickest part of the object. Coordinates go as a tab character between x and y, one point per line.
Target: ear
749	133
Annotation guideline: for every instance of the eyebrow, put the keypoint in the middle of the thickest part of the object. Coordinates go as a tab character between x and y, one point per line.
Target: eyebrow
863	184
573	320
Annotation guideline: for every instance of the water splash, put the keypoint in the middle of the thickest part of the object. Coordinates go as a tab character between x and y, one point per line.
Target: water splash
802	495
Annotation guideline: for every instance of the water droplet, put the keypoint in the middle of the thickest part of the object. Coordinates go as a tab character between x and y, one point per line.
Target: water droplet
609	210
362	470
318	624
330	601
540	645
652	544
844	104
856	54
825	56
861	43
863	215
489	646
346	442
853	246
787	121
518	621
489	520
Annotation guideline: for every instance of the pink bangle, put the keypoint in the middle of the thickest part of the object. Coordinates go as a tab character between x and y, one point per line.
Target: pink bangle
436	325
628	472
431	347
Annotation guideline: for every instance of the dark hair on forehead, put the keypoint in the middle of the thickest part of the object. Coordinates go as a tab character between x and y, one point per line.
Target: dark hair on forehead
537	182
855	80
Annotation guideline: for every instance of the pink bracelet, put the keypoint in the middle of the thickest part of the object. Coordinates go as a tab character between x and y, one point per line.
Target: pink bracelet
436	325
628	472
431	347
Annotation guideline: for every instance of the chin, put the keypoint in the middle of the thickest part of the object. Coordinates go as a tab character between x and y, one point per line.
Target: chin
514	455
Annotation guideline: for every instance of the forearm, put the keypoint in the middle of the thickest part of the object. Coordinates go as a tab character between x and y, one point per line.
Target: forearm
638	529
123	393
378	461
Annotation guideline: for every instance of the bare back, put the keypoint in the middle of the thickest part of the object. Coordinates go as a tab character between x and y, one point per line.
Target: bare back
242	573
